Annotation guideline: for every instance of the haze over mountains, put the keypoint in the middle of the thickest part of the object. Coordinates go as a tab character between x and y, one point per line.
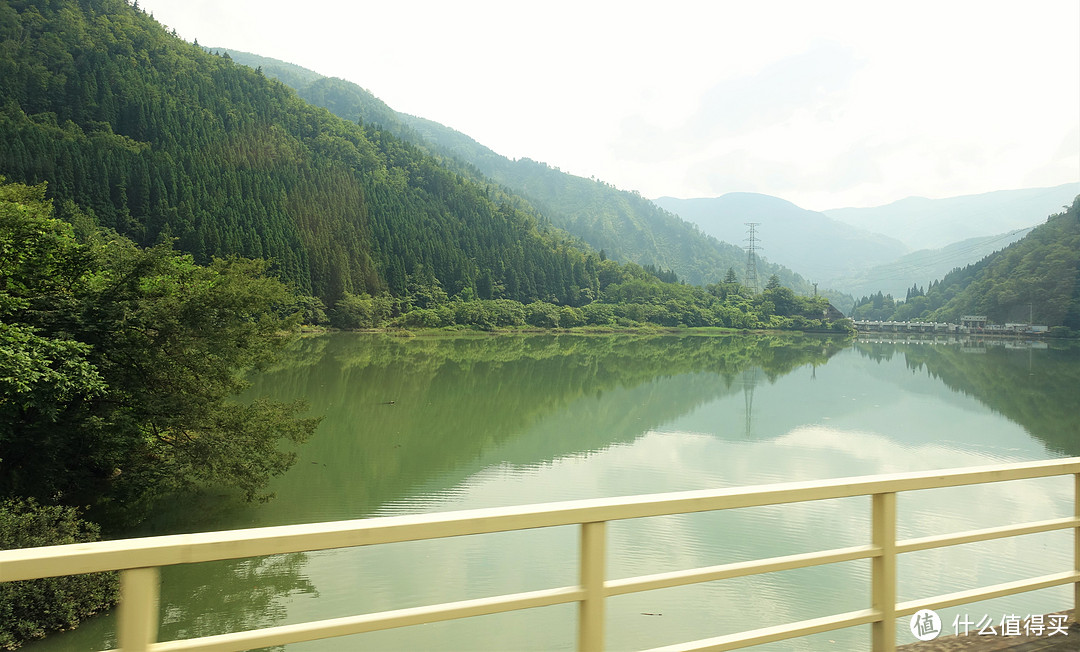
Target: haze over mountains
885	248
623	224
821	248
845	251
923	223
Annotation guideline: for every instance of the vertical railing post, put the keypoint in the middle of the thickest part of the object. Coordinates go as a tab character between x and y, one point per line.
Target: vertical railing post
591	607
883	572
137	621
1076	546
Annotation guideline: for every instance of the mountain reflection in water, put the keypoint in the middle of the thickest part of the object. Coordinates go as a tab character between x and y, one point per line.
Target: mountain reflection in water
431	424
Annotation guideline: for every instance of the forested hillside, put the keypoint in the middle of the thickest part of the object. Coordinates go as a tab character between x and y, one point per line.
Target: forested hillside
1037	277
160	139
626	226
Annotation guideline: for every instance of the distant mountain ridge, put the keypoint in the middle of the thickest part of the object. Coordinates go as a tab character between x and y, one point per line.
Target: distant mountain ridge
824	249
624	225
923	223
863	251
925	266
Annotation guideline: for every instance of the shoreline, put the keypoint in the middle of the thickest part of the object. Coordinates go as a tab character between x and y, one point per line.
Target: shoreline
576	330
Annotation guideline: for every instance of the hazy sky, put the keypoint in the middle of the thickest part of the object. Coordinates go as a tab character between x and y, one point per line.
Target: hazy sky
824	103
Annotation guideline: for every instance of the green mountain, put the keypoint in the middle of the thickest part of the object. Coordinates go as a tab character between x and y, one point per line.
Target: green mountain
624	225
159	139
1037	277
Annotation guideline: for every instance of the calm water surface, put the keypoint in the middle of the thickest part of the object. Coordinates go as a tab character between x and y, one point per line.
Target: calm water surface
432	424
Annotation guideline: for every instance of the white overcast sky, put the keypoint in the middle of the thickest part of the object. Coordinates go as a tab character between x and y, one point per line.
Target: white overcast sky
825	103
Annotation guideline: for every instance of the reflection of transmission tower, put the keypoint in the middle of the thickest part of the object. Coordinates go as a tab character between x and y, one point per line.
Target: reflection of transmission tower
751	258
749	378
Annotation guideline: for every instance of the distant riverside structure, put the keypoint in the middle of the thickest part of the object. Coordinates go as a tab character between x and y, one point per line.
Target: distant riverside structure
969	324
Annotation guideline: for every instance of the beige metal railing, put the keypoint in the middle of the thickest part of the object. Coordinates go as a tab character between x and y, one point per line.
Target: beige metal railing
139	559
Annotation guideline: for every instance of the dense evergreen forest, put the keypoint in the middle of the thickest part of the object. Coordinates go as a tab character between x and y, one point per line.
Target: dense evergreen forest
1036	278
623	224
159	139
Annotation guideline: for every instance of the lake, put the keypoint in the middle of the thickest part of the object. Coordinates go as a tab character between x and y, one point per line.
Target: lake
431	424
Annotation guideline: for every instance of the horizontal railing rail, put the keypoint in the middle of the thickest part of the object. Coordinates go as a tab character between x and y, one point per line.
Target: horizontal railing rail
139	559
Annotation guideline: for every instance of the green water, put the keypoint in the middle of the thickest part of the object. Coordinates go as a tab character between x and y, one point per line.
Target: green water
432	424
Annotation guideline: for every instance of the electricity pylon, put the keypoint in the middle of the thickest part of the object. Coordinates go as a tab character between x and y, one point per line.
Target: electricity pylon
751	278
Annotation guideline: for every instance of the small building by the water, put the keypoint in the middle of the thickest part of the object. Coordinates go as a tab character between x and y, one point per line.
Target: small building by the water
973	321
832	313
